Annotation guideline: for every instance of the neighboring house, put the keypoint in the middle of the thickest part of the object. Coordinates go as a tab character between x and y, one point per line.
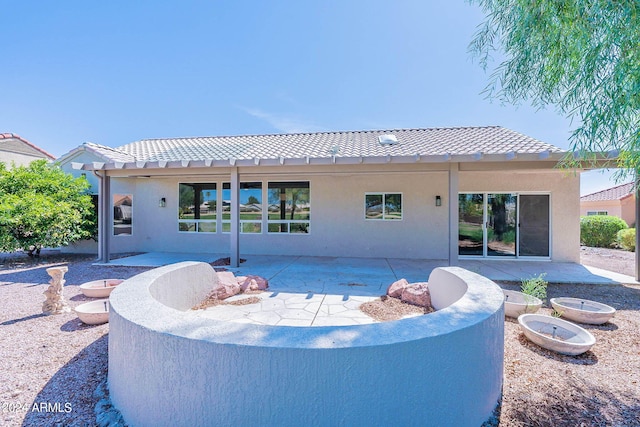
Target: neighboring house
19	151
442	193
617	201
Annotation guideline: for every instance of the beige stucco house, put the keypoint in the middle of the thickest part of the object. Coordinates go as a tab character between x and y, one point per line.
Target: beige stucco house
618	201
440	193
17	150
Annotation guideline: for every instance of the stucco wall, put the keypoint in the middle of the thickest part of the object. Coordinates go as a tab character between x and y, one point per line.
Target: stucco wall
82	157
338	225
9	158
171	367
625	208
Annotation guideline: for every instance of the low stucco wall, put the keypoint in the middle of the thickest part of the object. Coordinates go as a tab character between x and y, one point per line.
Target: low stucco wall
171	367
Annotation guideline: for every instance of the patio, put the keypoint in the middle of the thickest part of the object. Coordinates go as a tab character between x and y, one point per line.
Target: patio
328	291
324	274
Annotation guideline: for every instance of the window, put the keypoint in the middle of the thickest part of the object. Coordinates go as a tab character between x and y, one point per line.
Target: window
122	214
197	208
250	207
589	213
289	207
383	206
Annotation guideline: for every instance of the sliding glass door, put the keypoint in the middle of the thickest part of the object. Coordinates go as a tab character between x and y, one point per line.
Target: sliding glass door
506	225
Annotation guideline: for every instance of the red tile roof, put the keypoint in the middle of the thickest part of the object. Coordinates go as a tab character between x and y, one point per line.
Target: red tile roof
614	193
19	138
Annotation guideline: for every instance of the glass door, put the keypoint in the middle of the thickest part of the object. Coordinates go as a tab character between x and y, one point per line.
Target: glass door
471	224
501	224
534	225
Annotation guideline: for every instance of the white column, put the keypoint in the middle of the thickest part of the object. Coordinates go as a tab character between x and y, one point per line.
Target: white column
453	212
234	249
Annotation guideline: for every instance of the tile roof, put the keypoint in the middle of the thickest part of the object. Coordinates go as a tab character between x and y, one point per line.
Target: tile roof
13	136
462	144
411	142
614	193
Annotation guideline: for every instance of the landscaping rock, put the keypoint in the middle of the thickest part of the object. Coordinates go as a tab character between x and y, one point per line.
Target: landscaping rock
417	294
395	289
227	285
254	283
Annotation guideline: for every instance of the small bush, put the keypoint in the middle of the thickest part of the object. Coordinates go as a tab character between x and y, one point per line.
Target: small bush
600	230
627	239
535	286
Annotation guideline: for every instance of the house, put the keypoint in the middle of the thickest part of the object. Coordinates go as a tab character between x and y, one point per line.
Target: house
17	150
435	193
618	201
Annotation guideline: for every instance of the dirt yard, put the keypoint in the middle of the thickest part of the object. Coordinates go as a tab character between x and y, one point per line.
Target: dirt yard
56	360
615	260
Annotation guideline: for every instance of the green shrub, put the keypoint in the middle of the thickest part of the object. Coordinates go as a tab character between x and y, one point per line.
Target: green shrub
535	286
600	230
627	239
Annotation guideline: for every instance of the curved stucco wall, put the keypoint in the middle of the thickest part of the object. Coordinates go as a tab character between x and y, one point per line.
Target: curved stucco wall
171	367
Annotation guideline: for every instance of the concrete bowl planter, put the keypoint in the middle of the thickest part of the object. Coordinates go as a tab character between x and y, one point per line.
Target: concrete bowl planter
556	334
99	288
94	312
582	310
517	303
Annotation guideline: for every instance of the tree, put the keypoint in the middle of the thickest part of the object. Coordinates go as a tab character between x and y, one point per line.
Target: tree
40	205
582	56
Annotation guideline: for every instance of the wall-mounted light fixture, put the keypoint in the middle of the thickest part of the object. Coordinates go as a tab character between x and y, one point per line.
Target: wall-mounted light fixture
163	202
438	201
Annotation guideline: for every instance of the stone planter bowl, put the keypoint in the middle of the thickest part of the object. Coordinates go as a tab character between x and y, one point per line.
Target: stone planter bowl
517	303
99	288
94	312
582	310
556	334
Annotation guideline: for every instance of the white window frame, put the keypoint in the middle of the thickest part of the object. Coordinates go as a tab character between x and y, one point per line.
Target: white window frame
197	222
383	194
288	222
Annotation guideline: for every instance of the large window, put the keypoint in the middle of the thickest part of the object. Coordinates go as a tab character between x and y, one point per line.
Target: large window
289	207
197	208
250	207
122	214
383	206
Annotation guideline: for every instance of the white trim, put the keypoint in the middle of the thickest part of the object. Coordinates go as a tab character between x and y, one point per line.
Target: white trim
383	194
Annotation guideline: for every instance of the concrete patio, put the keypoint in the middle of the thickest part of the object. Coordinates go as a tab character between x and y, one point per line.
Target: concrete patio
316	273
328	291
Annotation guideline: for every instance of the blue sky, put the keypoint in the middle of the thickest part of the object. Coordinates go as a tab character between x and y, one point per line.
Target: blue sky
118	71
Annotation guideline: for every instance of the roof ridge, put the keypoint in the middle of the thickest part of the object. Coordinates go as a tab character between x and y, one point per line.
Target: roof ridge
327	132
9	135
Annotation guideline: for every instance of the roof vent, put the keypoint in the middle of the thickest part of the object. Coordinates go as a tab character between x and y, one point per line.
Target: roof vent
387	139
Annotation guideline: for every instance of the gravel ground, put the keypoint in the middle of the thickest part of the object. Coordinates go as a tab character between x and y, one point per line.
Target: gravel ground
56	362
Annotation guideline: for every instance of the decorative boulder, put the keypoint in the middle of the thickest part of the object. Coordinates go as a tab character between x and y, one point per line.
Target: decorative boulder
227	285
417	294
254	283
395	289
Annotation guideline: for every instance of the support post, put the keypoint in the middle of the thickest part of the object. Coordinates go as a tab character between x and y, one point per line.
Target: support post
637	193
454	173
104	218
234	248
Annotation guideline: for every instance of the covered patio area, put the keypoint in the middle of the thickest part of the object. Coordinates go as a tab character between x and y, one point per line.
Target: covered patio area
372	275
